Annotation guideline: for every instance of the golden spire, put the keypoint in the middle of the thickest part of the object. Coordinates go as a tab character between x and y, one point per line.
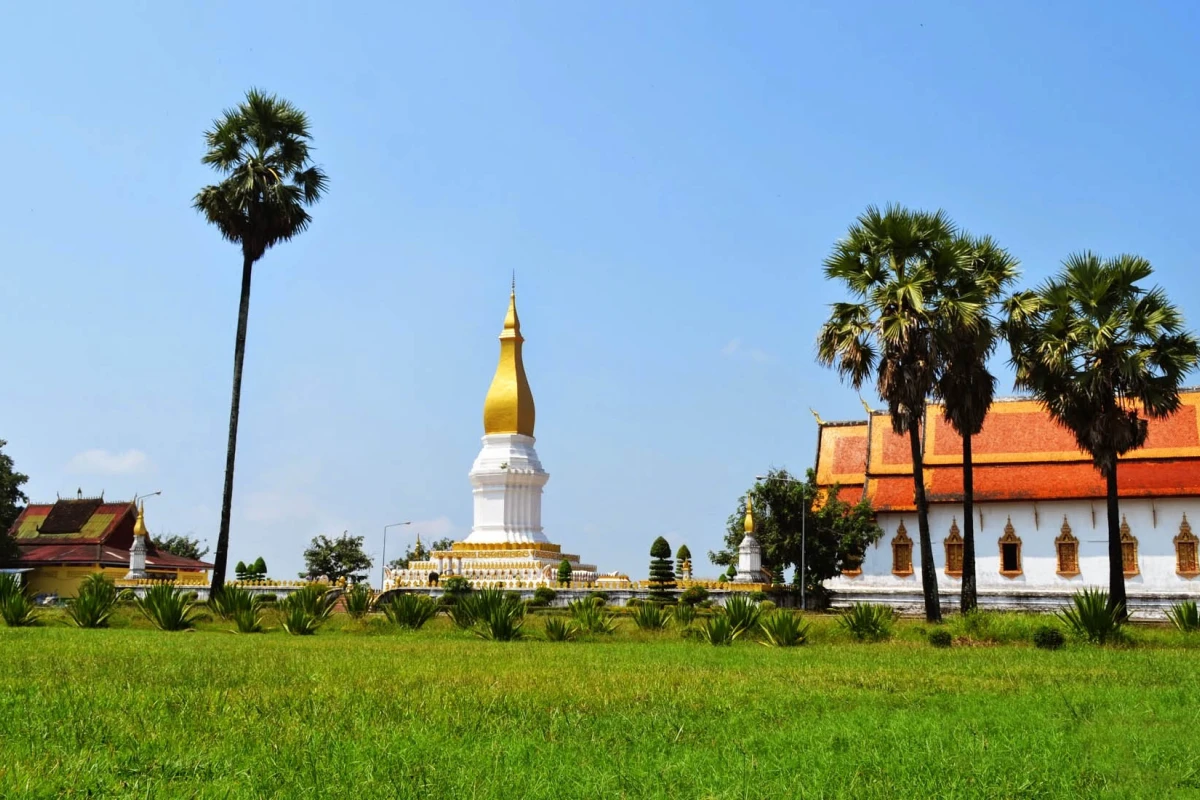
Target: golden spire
749	525
139	527
508	407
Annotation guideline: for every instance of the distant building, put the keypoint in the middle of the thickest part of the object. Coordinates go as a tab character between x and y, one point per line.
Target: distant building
63	542
1041	529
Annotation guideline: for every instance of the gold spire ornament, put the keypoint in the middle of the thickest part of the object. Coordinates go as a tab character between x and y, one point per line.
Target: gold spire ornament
749	523
508	407
139	527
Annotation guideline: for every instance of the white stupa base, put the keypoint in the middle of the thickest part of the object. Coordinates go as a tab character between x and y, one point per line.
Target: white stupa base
507	480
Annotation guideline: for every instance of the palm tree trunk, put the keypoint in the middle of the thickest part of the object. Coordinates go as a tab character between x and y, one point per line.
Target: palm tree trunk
969	591
929	587
239	354
1116	563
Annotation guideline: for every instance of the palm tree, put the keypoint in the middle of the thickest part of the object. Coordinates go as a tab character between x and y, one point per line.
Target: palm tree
895	264
261	150
1103	355
964	384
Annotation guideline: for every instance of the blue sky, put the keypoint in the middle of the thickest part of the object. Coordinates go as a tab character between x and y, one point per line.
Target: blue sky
665	178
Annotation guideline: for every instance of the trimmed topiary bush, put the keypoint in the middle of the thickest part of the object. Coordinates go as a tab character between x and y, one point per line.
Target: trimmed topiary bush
544	596
662	572
940	638
758	596
1048	637
693	595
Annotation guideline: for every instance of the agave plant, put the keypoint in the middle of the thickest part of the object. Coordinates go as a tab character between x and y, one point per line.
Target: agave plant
93	604
718	630
249	620
410	610
501	623
651	617
299	621
743	613
1185	616
684	614
783	629
1090	617
167	607
868	621
306	609
230	600
558	629
16	606
359	598
591	617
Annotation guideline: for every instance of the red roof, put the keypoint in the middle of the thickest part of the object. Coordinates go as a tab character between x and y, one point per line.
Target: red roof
1021	454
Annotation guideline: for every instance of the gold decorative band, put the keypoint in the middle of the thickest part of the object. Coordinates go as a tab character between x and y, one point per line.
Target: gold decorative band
501	546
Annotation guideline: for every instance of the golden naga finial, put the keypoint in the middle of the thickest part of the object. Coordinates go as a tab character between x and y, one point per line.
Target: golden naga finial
866	407
749	522
813	411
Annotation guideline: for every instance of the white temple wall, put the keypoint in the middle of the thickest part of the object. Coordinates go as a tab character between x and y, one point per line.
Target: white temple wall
1154	523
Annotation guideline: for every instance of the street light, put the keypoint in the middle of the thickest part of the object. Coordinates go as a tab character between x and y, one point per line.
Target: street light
803	529
137	497
383	558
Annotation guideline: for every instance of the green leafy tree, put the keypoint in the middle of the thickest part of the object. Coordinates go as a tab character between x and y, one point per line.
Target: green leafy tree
240	570
12	502
336	559
835	535
683	560
1103	355
260	568
964	384
183	546
261	151
662	576
564	572
896	264
418	552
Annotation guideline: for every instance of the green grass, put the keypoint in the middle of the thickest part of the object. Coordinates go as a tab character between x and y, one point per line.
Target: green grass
364	710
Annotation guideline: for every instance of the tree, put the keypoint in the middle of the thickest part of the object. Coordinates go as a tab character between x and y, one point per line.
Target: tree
260	568
964	384
1103	355
183	546
895	264
564	572
12	502
683	561
662	576
240	570
336	559
261	150
836	534
418	552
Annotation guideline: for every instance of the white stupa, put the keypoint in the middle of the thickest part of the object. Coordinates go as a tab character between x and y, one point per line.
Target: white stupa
749	566
507	546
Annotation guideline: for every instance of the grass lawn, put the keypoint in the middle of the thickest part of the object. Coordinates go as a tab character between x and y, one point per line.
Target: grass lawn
361	711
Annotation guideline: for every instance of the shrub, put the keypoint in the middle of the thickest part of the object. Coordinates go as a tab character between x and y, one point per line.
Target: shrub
501	623
192	597
743	613
16	606
544	596
868	621
1185	616
410	610
598	598
456	584
766	606
758	596
358	600
633	602
784	629
127	596
684	615
93	605
266	597
718	631
591	617
693	595
1048	637
564	572
651	617
167	607
941	637
1090	617
560	630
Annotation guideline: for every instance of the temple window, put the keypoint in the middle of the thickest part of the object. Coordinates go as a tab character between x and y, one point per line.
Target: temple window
954	550
1010	551
1067	548
902	552
1186	562
1129	547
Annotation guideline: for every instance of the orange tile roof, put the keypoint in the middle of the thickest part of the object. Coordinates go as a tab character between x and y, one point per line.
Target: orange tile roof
1020	454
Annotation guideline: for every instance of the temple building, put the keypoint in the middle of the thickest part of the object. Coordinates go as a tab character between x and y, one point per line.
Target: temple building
507	546
63	542
1041	530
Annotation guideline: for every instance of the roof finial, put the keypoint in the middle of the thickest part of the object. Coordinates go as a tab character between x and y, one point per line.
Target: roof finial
813	411
866	407
748	522
514	281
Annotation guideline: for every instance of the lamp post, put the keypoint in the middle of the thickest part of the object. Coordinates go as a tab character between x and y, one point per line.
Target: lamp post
803	531
137	497
383	558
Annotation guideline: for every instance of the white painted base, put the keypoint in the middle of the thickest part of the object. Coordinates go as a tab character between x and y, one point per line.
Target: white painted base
507	480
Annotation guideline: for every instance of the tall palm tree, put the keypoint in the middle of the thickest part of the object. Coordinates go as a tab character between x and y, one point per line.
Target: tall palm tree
964	384
261	150
895	264
1103	355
